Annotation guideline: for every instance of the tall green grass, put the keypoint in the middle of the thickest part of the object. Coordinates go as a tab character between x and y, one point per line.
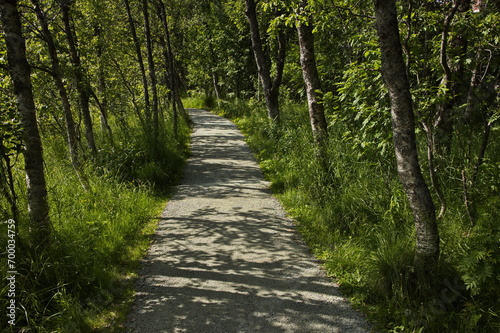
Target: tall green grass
357	221
84	281
197	100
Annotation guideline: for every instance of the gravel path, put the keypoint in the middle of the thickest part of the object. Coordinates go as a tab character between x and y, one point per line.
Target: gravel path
226	259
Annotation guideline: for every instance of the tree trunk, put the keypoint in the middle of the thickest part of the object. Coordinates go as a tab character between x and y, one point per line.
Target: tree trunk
82	84
151	65
7	186
57	75
140	60
103	106
215	80
403	124
169	57
443	123
312	81
19	69
131	90
271	95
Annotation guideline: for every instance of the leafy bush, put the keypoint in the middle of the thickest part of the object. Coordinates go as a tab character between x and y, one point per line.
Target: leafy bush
84	280
361	227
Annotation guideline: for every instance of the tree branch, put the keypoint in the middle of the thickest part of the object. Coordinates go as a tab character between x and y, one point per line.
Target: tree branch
44	69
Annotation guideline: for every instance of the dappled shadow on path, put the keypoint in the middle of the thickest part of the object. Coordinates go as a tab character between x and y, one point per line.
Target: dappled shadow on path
226	259
233	271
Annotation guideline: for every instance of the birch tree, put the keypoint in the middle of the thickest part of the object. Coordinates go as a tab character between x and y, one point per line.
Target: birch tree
269	85
403	125
312	80
20	71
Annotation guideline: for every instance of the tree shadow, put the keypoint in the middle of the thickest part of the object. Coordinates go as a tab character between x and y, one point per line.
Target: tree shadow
226	259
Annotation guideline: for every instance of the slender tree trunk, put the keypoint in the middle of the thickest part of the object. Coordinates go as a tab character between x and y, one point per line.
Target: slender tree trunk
140	60
82	84
7	182
169	57
472	111
152	71
57	75
132	93
443	123
312	81
178	84
215	80
280	61
19	69
403	124
271	95
103	106
432	170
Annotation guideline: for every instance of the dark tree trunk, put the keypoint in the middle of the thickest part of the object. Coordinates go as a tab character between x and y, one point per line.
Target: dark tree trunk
140	60
152	71
271	92
443	122
103	104
169	57
472	111
82	84
403	124
312	81
57	75
7	186
170	65
131	90
19	69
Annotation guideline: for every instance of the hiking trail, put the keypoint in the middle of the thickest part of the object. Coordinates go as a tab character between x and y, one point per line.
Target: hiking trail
225	258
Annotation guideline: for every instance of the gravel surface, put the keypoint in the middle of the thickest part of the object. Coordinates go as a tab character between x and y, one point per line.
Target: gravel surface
225	257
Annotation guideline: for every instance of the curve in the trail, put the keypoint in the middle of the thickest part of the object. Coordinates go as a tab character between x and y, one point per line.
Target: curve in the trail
226	259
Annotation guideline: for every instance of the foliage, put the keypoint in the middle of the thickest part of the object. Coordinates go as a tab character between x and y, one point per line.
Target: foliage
10	147
99	235
354	216
102	209
361	228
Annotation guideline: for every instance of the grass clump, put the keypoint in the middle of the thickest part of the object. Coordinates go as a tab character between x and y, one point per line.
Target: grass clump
357	221
197	100
84	280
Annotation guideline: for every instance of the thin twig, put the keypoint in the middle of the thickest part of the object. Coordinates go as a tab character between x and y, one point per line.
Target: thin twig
466	198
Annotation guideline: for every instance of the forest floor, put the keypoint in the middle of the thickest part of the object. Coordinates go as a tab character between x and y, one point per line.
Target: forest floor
225	258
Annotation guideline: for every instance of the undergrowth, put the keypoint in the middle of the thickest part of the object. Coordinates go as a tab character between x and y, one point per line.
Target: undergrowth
357	221
84	281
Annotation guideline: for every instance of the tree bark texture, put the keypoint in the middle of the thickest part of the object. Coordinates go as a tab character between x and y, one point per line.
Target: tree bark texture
312	81
20	70
82	85
271	95
403	124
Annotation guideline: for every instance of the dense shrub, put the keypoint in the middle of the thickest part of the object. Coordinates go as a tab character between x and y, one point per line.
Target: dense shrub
360	225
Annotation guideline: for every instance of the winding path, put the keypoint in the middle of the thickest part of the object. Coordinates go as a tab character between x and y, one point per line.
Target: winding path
226	259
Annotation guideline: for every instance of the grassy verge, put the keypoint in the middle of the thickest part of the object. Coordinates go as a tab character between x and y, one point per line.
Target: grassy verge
357	221
85	281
